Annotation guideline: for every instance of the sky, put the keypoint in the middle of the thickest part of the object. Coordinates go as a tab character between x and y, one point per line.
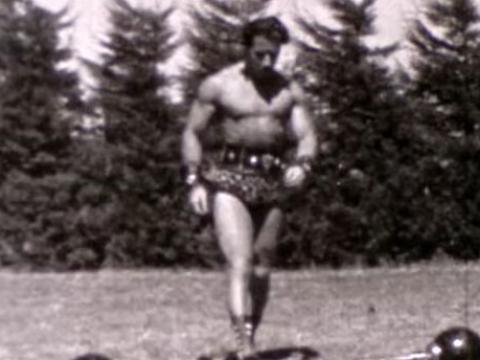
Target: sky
91	16
91	24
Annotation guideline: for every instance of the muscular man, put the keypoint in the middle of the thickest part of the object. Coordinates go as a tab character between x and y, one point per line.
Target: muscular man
262	114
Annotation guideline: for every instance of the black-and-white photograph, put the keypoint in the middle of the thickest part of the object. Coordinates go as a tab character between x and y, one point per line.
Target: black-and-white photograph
239	179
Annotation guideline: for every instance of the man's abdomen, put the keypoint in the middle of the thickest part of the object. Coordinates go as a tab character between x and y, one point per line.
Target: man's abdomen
254	132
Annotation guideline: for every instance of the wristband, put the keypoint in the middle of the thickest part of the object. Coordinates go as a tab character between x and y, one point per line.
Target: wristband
192	176
305	162
192	179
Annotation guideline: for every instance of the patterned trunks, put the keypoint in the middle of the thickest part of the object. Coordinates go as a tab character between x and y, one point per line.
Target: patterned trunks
255	178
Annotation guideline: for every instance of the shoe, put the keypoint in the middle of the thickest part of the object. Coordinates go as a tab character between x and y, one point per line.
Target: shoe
243	330
219	354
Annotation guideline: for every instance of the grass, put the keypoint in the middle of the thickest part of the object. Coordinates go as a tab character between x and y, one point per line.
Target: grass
167	315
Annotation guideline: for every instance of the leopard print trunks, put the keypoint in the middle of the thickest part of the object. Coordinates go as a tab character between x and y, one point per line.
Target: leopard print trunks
250	187
255	180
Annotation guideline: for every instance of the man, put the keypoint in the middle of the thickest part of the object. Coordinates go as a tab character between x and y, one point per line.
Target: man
261	112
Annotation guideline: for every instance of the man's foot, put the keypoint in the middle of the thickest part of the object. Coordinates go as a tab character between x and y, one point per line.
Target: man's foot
219	354
246	354
228	355
243	329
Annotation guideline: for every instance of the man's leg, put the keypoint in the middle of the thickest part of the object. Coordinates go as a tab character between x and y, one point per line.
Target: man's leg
234	228
264	250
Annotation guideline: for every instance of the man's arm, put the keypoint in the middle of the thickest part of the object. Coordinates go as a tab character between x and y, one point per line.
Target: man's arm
200	113
202	109
301	124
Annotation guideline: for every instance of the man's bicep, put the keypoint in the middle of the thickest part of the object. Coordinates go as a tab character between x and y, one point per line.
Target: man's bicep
304	130
301	121
200	114
203	107
301	118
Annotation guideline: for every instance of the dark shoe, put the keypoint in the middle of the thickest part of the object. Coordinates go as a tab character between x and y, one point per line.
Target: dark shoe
222	353
243	330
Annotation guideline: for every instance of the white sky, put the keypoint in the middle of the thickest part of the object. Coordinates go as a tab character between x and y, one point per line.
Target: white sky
393	18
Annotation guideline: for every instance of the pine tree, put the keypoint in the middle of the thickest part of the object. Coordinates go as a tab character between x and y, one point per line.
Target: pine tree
140	136
39	102
38	97
446	59
365	127
339	61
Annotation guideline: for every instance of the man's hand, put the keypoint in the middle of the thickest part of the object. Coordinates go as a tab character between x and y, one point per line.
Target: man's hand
294	176
198	198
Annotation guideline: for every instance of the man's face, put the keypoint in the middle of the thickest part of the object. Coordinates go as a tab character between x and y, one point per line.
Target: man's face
262	55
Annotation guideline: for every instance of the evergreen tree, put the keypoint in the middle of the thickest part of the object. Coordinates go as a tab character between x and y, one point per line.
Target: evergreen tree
446	59
367	142
140	137
38	97
39	102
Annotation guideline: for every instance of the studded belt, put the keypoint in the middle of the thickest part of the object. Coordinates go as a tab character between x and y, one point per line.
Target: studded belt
251	159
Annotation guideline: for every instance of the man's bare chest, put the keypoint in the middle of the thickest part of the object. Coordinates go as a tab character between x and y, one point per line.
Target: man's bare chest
241	100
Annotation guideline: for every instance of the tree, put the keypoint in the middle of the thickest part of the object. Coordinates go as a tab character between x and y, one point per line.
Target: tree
140	133
446	40
368	142
38	97
446	45
39	102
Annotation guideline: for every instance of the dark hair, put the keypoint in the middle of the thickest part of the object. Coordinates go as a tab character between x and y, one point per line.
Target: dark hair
270	27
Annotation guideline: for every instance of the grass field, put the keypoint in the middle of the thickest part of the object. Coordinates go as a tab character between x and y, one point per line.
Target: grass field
147	315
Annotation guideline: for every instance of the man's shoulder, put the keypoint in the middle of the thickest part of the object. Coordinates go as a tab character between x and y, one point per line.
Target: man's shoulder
215	83
229	72
296	90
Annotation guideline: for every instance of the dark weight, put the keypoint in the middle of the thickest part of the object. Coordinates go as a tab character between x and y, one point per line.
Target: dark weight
456	343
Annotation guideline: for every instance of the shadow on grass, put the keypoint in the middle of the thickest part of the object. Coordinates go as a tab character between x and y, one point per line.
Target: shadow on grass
92	356
296	353
287	353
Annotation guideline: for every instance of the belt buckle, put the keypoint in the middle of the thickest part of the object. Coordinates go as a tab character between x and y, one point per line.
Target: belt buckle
268	161
230	155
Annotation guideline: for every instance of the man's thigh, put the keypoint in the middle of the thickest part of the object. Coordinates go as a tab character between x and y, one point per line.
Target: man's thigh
233	226
269	222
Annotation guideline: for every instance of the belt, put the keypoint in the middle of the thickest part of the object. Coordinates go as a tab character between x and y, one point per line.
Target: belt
251	158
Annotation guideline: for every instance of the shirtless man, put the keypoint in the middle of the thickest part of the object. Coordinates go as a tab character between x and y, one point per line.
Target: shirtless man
262	113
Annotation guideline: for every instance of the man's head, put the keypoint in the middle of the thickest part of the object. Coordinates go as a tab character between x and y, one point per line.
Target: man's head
263	39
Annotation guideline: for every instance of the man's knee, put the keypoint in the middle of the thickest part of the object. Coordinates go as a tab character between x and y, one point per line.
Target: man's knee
267	236
242	265
264	257
261	270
